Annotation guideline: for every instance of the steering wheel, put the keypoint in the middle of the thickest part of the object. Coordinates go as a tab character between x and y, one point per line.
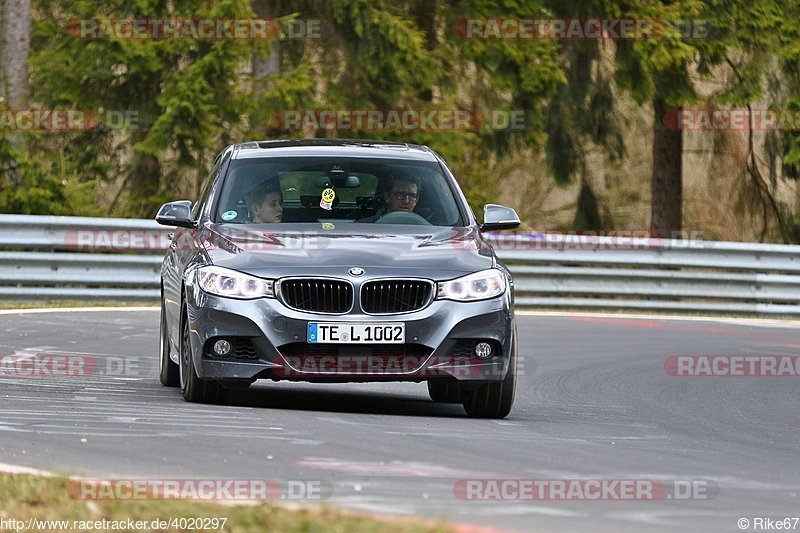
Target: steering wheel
402	217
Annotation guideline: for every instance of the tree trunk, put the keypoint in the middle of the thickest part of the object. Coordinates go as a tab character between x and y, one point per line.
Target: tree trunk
587	216
667	193
264	66
14	47
425	14
144	183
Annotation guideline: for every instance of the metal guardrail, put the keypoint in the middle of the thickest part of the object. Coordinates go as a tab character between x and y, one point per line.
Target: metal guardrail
689	276
119	259
80	258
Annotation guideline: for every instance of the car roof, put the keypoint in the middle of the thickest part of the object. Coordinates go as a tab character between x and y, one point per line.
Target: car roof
333	148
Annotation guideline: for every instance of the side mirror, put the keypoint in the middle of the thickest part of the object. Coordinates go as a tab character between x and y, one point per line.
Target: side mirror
176	214
497	217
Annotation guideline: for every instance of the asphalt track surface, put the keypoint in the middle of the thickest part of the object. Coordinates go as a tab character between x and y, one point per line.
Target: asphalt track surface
593	402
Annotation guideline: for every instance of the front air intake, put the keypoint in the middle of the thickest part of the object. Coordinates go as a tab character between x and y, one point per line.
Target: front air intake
389	296
317	295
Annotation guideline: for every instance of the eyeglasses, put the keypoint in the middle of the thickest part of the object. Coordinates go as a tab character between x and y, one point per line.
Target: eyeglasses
402	194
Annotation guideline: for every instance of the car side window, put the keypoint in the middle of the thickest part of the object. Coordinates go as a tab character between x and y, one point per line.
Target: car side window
198	206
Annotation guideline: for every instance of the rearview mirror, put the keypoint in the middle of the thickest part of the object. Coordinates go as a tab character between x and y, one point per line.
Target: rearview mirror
177	213
341	181
498	217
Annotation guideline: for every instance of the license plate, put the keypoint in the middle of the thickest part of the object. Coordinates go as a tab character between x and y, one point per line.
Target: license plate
339	333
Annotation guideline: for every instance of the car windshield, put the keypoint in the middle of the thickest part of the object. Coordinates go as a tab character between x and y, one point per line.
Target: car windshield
328	189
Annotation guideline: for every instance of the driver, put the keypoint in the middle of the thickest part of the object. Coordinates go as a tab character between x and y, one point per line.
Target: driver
401	195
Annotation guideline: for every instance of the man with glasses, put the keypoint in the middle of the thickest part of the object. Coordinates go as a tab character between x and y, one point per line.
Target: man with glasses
401	195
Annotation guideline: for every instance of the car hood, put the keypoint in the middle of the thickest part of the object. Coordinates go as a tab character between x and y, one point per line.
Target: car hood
295	250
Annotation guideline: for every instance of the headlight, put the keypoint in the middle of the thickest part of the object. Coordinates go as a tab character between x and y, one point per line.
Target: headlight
233	284
478	286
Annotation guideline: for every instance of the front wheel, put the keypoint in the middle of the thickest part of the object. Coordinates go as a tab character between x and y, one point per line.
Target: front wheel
193	388
168	370
493	399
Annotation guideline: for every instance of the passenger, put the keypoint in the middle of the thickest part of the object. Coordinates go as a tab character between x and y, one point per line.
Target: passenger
265	202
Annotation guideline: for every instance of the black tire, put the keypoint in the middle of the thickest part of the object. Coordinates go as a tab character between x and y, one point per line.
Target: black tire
193	388
494	399
444	392
168	371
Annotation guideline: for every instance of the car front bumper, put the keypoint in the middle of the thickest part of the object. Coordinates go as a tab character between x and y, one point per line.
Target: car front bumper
438	342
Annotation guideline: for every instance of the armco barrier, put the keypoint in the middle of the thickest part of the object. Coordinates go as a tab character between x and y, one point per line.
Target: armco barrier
79	258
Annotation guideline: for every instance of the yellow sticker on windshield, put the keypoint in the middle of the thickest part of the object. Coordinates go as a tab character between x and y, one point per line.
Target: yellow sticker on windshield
327	199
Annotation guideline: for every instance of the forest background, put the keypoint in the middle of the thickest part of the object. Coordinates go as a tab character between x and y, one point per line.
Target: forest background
576	132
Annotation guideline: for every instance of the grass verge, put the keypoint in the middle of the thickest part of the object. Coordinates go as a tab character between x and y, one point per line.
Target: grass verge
24	497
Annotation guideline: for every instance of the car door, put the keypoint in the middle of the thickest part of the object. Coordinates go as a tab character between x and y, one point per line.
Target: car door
182	250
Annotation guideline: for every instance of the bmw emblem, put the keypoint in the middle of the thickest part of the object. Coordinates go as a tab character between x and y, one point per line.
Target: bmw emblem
356	271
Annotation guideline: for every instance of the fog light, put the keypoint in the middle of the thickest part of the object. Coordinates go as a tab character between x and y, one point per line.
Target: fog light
483	350
222	348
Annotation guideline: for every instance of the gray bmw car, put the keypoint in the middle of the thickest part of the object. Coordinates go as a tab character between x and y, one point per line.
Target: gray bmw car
335	261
